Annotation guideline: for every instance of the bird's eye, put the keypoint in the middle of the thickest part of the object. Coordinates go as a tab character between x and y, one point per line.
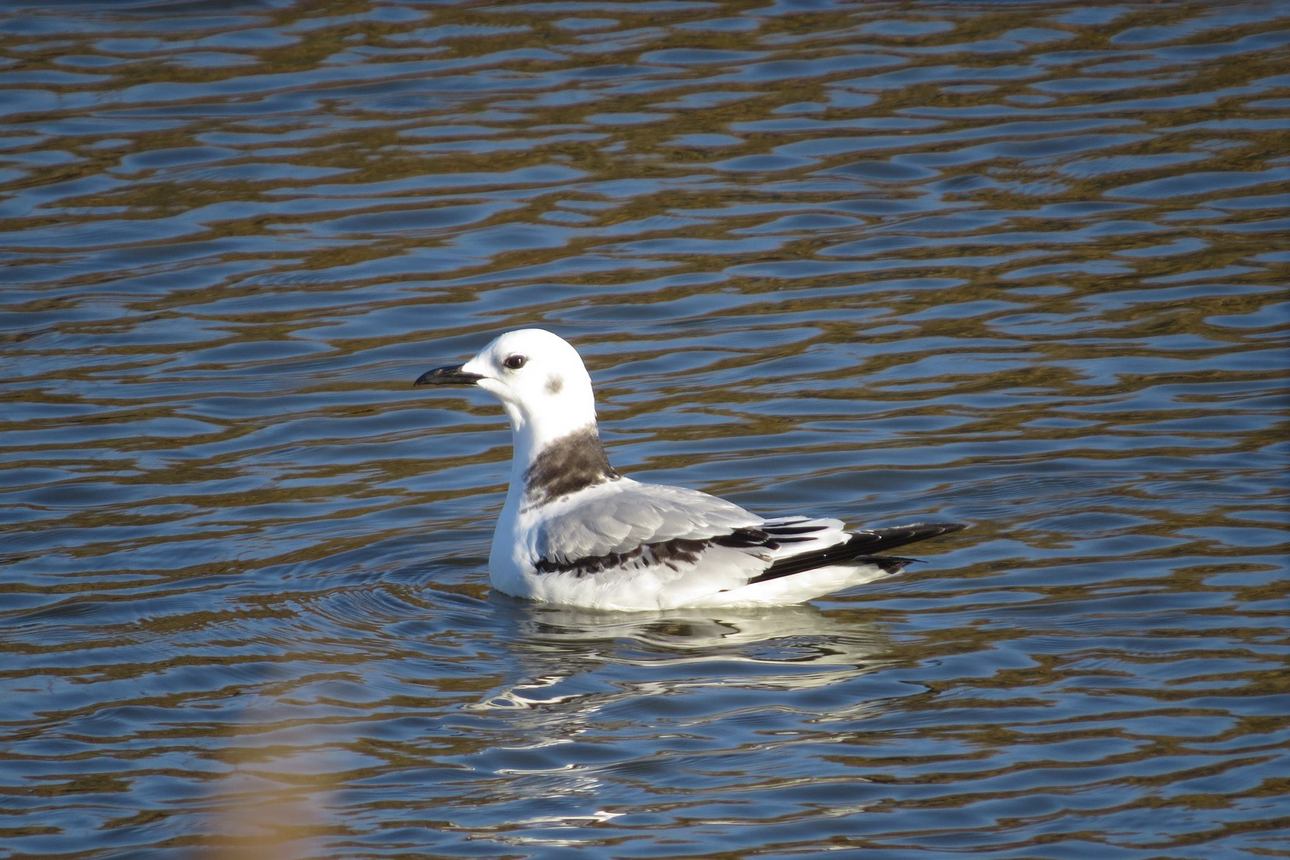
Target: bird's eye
515	362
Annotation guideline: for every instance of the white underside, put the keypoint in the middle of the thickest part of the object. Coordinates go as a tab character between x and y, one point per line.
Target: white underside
798	587
645	592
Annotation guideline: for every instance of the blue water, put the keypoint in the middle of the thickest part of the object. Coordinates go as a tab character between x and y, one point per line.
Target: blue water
1018	265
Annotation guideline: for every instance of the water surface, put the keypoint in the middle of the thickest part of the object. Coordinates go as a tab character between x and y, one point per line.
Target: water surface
1019	265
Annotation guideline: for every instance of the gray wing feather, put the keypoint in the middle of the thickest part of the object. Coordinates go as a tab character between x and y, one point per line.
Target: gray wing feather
636	514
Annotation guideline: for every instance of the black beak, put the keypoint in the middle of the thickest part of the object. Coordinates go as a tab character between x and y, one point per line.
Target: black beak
447	376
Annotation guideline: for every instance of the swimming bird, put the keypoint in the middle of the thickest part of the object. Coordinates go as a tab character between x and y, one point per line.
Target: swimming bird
576	532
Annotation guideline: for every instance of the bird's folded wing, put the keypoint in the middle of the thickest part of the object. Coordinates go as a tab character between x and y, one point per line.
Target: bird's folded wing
623	516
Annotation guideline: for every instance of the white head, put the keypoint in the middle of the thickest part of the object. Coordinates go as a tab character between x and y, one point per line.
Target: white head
540	380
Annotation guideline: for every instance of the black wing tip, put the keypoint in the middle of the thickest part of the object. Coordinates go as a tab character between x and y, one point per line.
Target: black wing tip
889	537
863	547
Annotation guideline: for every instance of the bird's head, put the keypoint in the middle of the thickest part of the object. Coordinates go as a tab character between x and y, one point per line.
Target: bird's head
539	378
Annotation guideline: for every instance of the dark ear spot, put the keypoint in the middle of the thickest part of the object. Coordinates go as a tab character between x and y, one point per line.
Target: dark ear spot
554	384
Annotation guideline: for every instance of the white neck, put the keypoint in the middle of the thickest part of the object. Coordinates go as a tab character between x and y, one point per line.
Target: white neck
533	431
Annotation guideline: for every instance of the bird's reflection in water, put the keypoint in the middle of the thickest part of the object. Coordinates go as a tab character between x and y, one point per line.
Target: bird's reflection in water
561	652
597	700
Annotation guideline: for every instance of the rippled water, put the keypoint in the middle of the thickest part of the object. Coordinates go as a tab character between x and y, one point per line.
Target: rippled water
1020	265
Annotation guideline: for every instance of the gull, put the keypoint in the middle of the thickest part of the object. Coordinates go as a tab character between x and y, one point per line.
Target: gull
576	532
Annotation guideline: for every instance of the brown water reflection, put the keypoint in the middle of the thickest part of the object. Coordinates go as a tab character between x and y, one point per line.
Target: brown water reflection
1019	265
